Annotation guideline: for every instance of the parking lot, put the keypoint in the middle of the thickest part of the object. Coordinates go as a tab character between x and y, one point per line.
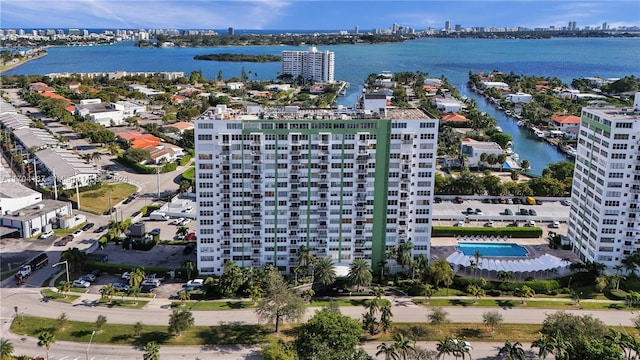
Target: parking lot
450	212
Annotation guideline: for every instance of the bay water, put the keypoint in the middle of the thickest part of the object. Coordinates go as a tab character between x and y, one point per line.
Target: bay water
564	58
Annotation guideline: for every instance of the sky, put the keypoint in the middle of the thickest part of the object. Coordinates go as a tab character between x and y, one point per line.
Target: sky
313	14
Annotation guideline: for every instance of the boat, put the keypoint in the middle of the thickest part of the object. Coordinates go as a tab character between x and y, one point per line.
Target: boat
539	133
498	128
508	112
521	123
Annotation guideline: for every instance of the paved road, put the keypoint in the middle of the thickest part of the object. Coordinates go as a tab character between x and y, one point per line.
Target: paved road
157	313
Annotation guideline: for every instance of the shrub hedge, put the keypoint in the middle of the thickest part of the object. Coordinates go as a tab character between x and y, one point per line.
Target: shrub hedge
513	232
185	160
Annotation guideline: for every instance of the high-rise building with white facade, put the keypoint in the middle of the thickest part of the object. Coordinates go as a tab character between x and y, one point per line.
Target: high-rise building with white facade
345	184
604	223
318	66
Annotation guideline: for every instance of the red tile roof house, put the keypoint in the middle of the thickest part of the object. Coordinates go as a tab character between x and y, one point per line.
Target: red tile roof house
159	150
563	122
454	117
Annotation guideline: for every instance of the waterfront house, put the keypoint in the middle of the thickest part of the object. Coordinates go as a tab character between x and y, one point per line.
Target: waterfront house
374	102
474	149
519	98
448	104
563	122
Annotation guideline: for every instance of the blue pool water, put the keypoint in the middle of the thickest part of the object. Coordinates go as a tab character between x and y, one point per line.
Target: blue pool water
493	249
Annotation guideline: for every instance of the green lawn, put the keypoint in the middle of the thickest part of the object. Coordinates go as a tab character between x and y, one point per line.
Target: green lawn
212	305
97	201
120	303
539	304
256	334
189	174
56	296
123	334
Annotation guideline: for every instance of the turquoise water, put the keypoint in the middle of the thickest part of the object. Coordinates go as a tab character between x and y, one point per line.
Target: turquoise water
566	59
493	249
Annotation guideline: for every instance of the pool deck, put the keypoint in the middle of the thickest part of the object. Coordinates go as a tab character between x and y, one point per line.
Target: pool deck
442	247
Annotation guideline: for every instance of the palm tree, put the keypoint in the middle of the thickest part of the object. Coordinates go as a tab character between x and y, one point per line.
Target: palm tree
512	351
561	347
306	259
403	254
389	352
359	273
370	323
402	345
385	316
136	277
6	349
325	272
76	258
46	339
134	291
182	231
184	296
445	347
544	345
151	351
189	266
524	292
107	291
65	288
428	291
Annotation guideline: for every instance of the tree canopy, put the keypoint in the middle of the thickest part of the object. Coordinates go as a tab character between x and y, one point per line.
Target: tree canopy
328	335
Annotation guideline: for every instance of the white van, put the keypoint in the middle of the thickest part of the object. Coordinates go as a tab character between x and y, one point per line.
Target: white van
160	216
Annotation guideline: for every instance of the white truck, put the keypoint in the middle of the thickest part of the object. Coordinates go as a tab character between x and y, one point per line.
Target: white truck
34	264
159	216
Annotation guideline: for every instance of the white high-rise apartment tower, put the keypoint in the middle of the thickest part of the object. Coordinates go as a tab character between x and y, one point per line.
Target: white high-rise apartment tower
604	223
345	184
318	66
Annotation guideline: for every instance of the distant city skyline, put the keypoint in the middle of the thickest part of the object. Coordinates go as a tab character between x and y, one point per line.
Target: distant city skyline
316	15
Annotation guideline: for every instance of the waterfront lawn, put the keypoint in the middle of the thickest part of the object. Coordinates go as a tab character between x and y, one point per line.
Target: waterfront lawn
97	201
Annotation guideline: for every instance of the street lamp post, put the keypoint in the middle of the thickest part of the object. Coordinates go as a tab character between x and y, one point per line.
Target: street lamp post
88	346
66	267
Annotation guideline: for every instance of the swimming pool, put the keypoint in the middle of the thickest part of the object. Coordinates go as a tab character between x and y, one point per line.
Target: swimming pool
493	249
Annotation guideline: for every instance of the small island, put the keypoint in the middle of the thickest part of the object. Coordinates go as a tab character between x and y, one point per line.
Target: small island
239	57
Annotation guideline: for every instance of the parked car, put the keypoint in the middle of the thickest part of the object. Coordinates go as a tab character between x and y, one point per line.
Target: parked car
150	282
100	229
80	283
514	223
190	236
459	223
87	226
530	223
125	275
478	211
77	233
193	284
532	212
488	223
96	273
88	278
458	200
469	211
110	211
508	212
517	201
185	221
47	234
437	200
177	221
64	241
120	286
509	201
565	202
155	231
145	289
524	212
555	224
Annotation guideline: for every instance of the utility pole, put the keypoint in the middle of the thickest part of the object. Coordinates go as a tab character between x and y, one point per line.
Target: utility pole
158	181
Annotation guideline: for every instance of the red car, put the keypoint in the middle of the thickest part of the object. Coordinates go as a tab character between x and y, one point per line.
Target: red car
190	236
64	241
